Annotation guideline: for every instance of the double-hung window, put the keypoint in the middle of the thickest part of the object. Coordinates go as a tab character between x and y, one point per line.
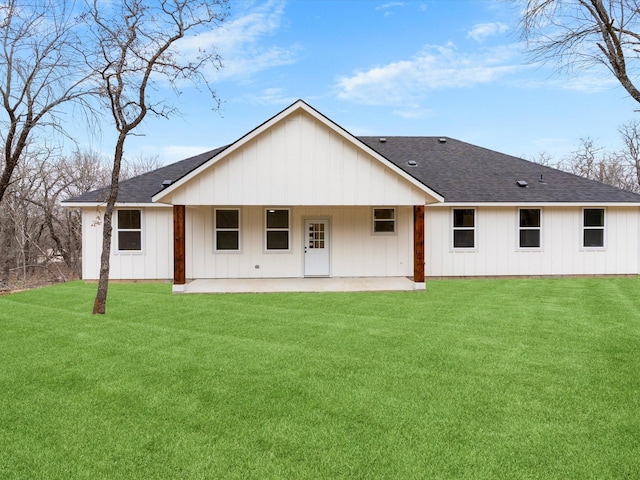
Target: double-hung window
384	220
129	231
529	228
277	229
464	228
227	229
593	228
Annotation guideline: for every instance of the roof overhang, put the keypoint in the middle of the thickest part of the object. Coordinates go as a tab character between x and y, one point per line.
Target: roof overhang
117	205
535	204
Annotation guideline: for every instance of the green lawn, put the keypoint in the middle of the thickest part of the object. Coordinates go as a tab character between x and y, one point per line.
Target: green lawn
493	379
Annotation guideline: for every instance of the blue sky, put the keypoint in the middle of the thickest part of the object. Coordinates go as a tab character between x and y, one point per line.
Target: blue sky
452	68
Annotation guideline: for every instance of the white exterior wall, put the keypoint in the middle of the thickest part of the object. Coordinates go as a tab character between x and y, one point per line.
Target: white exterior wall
497	251
154	262
299	161
354	250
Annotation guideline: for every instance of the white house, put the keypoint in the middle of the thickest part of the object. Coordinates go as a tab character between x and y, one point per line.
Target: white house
299	196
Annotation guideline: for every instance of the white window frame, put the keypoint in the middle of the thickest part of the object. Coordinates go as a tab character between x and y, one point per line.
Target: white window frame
538	228
274	229
374	220
585	228
216	230
455	229
118	230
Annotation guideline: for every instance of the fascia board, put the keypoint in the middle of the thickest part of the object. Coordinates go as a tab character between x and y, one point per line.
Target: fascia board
298	105
357	143
536	204
227	151
117	205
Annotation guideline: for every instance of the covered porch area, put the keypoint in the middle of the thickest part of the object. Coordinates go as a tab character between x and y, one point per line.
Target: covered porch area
274	285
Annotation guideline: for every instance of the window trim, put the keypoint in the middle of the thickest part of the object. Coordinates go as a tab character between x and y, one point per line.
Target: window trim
117	231
288	230
521	228
585	228
216	230
473	229
374	220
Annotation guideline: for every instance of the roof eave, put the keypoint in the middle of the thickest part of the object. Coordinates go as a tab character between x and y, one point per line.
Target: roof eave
537	204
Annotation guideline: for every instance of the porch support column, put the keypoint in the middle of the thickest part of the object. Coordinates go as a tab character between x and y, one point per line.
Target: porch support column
179	245
418	246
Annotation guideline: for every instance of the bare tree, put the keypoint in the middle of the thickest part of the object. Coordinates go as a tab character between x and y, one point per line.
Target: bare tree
139	164
136	47
630	133
40	72
591	161
584	33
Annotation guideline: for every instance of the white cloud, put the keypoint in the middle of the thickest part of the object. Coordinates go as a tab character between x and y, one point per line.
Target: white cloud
482	31
387	6
241	43
405	82
584	81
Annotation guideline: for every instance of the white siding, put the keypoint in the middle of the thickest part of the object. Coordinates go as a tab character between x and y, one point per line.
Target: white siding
497	251
299	161
354	250
154	262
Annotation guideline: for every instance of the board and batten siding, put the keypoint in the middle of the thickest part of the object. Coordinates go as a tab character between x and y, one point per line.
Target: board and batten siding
154	262
354	250
299	161
497	251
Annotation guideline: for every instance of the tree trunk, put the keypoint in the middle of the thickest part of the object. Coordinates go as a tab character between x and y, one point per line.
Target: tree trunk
100	303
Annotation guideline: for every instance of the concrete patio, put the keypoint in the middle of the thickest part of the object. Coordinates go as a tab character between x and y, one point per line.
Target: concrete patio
262	285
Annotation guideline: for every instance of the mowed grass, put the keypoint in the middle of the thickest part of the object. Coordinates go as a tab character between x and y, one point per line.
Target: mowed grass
488	379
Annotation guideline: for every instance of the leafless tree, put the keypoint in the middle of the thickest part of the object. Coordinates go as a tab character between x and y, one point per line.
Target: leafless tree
584	33
136	48
41	73
630	133
139	164
40	241
596	163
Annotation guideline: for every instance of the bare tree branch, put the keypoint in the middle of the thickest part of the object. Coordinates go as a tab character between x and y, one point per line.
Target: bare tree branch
586	33
135	47
40	72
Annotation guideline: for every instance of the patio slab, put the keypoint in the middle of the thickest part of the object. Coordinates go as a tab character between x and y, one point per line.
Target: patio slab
266	285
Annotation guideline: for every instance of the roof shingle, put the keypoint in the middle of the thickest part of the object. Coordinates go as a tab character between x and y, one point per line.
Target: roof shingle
459	171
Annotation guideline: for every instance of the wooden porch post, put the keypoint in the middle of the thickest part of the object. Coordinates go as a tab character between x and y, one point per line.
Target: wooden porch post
418	244
179	275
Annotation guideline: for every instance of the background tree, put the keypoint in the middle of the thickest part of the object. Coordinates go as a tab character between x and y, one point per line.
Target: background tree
585	33
41	71
136	47
588	33
618	168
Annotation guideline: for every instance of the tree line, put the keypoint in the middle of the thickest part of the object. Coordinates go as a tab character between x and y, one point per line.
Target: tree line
41	242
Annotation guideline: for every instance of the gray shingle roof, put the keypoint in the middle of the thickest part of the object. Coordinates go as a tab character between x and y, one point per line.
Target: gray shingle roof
142	188
458	171
462	172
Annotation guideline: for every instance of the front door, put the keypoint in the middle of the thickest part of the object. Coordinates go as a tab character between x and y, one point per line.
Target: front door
316	248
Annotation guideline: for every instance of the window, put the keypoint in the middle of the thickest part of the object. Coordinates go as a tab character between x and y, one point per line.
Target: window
129	230
227	229
277	231
593	228
384	220
529	228
464	228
